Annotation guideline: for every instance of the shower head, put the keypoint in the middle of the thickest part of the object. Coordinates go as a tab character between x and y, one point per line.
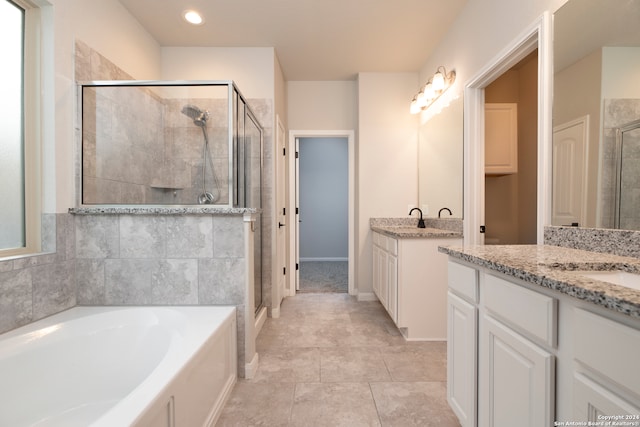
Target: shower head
198	116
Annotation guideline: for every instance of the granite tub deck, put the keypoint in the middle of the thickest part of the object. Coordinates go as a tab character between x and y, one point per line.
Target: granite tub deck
556	268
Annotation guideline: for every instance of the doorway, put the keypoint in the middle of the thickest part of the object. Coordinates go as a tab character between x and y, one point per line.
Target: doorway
536	37
323	196
510	184
324	210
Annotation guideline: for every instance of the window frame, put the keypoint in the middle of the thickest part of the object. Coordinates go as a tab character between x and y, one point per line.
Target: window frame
32	125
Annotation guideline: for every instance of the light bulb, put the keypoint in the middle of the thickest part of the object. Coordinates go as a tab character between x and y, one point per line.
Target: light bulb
415	108
438	82
192	17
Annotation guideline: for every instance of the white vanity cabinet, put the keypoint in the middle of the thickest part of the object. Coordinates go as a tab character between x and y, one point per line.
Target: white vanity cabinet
522	356
606	379
500	361
410	280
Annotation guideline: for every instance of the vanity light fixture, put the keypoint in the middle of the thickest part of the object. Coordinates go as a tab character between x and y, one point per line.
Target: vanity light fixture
193	17
436	86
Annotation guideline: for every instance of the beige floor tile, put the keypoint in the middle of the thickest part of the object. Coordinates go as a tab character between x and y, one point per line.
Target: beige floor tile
266	404
326	358
352	364
416	362
289	365
405	404
335	405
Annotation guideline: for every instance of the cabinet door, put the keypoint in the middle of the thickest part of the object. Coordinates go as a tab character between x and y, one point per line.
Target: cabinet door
384	278
516	379
591	401
376	271
392	274
501	138
461	359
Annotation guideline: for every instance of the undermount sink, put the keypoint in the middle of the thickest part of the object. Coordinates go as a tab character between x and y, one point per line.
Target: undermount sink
617	277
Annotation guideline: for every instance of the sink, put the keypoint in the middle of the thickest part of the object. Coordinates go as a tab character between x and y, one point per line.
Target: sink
617	277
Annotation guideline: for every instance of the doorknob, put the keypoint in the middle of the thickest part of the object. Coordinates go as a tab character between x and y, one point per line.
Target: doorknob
280	225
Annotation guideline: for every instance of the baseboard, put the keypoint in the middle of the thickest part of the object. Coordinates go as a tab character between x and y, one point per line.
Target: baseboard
275	312
260	319
324	259
367	296
251	368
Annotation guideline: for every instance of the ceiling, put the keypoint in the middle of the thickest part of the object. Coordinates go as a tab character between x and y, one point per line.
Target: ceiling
313	39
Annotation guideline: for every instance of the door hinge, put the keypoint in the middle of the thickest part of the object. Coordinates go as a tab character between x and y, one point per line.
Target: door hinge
284	151
284	270
482	229
284	211
297	266
297	155
297	211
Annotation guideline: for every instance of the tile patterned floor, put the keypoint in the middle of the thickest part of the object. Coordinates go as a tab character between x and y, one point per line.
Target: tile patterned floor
332	361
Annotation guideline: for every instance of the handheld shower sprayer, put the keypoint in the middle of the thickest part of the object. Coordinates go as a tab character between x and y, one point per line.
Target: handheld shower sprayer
200	118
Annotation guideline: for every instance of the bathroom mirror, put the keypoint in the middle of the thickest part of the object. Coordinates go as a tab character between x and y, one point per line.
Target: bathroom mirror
440	147
596	94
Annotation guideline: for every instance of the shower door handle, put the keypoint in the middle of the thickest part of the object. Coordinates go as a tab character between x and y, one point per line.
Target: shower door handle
280	225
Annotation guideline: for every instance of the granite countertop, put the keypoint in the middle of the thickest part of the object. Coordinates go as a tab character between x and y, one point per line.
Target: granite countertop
556	268
161	210
408	227
415	232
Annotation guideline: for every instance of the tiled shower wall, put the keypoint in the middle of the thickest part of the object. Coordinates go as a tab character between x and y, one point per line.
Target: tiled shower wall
138	148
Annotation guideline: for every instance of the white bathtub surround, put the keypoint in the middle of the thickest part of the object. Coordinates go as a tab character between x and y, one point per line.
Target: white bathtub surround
164	256
117	366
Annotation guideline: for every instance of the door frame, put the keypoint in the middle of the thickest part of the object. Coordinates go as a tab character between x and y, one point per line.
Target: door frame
537	35
291	201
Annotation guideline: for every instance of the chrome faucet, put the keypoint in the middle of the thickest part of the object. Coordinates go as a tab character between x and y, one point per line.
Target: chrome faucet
444	209
420	221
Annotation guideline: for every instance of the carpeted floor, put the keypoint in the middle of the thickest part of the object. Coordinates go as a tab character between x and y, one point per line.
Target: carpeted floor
324	276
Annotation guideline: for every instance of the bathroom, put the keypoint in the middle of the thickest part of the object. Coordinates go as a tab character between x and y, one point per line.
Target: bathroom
376	104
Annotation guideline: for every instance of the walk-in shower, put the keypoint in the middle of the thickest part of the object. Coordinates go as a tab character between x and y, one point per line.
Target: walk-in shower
169	143
627	158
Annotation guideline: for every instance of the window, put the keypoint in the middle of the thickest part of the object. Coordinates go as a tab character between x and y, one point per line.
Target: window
19	124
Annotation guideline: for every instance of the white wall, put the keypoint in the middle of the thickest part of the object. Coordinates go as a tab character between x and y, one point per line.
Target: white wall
252	68
387	164
620	71
330	105
106	26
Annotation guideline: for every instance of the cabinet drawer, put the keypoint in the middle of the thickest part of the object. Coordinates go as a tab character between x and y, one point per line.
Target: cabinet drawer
463	281
608	347
530	312
392	246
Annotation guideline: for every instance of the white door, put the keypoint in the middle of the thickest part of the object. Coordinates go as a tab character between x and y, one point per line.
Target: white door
281	232
569	172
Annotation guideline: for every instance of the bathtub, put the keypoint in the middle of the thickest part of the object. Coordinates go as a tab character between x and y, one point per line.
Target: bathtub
117	366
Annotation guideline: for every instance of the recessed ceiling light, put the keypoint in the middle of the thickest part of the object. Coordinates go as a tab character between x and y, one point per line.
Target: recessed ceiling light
193	17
